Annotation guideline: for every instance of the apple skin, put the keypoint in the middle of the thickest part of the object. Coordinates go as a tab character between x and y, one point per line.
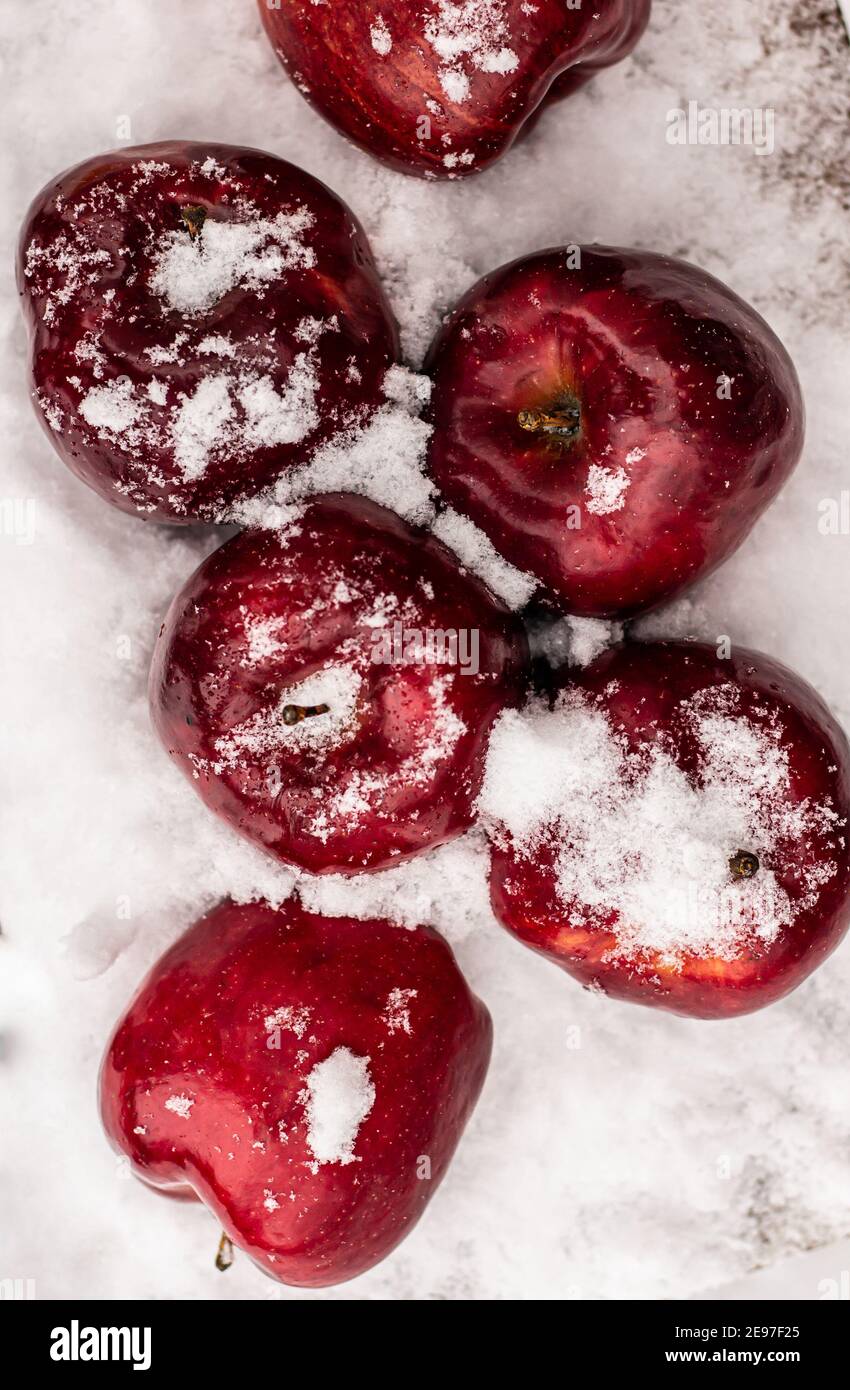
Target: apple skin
639	344
205	682
640	686
116	209
379	101
197	1029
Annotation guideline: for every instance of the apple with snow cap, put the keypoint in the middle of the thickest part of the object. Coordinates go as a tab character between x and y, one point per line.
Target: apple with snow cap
328	686
442	88
615	421
201	317
307	1077
673	830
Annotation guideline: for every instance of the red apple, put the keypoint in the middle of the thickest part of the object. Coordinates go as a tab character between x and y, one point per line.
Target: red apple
201	317
307	1077
674	830
443	88
614	420
329	689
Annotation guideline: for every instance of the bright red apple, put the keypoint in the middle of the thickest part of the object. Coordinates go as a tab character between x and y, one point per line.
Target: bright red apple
615	421
307	1077
201	317
329	689
674	831
442	88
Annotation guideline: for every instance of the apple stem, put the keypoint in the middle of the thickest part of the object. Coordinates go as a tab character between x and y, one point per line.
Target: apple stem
293	714
563	421
743	864
193	218
224	1254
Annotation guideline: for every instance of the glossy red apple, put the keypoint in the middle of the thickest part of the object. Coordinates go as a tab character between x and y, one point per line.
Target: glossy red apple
674	830
614	420
329	689
442	88
201	317
307	1077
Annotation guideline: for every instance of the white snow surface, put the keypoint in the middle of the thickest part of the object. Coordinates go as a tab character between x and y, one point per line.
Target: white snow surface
616	1152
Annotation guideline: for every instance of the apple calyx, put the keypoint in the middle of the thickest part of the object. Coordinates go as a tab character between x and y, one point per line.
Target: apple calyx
293	714
743	864
193	217
224	1254
562	422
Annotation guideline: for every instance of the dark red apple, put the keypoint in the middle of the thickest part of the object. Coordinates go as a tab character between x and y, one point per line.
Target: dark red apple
329	689
614	420
674	830
443	88
201	316
307	1077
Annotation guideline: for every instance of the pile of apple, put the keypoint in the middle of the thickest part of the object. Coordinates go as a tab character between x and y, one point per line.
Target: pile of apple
668	824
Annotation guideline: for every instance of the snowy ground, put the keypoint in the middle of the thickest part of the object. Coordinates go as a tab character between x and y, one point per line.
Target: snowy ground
616	1153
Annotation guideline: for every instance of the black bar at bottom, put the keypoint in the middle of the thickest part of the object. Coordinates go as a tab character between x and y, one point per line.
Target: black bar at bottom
256	1340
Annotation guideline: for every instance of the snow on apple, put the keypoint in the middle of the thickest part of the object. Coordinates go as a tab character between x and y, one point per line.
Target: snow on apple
199	315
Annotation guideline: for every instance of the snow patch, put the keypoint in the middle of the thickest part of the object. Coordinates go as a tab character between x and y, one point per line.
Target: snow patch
192	274
339	1096
641	847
